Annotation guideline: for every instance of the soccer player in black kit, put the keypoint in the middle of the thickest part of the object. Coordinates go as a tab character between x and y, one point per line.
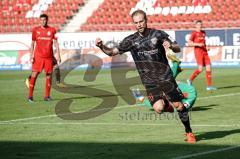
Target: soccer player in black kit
147	49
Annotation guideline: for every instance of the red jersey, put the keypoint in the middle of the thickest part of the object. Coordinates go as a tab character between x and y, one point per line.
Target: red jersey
199	37
44	37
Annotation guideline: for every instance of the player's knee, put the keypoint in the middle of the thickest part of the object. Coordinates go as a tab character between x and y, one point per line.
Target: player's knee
34	74
158	109
208	68
159	106
200	69
48	75
178	105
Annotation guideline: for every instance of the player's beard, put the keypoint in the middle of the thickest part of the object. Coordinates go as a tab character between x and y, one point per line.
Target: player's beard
45	25
142	29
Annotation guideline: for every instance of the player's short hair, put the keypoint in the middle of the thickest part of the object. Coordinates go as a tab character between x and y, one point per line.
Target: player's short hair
139	12
198	21
44	16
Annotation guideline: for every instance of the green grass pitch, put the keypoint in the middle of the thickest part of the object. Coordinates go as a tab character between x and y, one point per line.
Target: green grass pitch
33	130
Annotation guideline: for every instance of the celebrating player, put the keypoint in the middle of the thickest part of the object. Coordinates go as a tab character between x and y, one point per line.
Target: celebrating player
197	40
147	49
41	55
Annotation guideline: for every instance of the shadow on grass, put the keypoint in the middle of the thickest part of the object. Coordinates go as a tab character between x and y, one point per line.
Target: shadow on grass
206	107
81	150
216	134
228	87
82	97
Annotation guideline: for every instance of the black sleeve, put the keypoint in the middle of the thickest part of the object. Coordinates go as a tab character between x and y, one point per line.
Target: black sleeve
164	36
125	45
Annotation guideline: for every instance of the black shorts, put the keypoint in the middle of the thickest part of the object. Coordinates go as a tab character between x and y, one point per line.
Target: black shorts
164	90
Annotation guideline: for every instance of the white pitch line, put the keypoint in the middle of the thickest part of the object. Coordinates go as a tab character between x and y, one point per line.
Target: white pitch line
217	96
207	152
126	106
54	115
110	124
104	124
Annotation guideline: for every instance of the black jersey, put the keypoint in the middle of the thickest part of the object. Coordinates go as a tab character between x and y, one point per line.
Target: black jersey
149	55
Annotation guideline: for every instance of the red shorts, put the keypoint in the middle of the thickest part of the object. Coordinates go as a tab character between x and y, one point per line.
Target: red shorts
202	58
42	63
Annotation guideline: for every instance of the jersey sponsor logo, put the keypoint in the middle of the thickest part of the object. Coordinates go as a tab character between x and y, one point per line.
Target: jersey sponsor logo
155	51
44	38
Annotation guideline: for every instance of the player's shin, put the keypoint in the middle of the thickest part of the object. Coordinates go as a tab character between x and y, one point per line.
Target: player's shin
184	117
195	74
209	78
31	86
48	86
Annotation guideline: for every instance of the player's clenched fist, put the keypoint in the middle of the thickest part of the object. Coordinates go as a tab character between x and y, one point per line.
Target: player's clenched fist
166	44
98	42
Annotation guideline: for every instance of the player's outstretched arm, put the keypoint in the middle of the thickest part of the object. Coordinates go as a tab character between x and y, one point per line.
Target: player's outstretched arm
173	46
109	51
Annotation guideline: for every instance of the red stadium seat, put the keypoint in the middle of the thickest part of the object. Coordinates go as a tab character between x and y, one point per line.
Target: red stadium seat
114	15
121	8
14	10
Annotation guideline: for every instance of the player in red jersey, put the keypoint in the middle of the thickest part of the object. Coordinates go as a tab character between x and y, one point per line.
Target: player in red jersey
41	55
197	40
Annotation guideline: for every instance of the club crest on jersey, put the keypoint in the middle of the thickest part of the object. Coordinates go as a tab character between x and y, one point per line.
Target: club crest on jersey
48	33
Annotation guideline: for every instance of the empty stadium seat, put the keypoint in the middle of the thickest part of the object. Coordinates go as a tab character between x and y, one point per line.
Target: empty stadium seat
218	17
14	13
115	14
